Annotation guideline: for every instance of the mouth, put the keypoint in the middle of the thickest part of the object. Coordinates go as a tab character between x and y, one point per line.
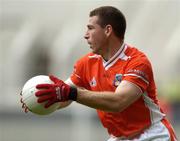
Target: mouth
90	45
88	42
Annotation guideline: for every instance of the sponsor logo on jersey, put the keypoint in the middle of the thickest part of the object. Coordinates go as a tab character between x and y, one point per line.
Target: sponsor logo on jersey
93	82
138	72
117	79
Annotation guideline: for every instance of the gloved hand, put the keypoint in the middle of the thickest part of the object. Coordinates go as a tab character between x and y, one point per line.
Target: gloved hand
56	92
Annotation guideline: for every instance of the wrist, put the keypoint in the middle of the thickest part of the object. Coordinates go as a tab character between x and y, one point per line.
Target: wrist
73	93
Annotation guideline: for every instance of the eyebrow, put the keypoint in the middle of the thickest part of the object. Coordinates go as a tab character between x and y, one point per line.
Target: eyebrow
90	26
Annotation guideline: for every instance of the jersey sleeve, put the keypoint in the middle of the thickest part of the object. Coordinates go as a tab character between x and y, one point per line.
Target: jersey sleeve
139	72
77	75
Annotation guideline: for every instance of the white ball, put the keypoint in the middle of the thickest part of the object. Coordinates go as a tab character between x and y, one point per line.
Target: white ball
29	98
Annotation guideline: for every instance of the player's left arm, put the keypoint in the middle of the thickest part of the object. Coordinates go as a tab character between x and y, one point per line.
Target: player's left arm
126	94
67	103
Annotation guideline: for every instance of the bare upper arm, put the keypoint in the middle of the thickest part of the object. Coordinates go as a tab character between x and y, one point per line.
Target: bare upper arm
129	93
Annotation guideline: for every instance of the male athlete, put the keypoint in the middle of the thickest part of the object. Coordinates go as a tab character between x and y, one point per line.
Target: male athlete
116	79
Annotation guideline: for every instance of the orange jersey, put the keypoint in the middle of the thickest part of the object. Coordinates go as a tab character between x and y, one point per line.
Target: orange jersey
130	64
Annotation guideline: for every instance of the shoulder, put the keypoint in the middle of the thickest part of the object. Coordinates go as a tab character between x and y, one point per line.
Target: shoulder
138	64
87	58
137	56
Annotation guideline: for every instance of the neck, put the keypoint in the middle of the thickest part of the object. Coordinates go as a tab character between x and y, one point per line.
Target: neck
111	49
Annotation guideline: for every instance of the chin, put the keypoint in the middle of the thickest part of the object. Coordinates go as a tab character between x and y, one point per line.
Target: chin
95	52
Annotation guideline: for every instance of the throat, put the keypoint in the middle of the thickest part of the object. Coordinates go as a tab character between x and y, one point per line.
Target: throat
105	60
112	57
109	54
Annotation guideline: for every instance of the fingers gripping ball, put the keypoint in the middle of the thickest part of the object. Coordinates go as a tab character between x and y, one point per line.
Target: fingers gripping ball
30	100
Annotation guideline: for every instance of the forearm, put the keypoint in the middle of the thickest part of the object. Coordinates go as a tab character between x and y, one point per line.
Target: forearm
125	94
106	101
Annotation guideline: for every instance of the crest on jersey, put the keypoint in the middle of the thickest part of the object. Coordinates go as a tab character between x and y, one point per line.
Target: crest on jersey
117	79
93	82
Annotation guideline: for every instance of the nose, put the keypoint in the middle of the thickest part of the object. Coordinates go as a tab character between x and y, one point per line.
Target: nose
86	36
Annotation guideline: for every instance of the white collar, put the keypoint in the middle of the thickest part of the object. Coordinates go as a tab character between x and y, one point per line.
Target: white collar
117	55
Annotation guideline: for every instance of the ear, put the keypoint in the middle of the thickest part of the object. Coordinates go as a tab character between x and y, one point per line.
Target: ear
108	30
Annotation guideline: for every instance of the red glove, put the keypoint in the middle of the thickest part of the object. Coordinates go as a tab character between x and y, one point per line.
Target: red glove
57	92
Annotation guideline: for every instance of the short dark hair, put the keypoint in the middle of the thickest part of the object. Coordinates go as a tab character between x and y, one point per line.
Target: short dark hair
113	16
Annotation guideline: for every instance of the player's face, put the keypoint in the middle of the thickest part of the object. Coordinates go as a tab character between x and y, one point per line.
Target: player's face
95	36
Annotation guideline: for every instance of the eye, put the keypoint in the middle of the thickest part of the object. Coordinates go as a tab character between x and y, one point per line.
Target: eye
90	27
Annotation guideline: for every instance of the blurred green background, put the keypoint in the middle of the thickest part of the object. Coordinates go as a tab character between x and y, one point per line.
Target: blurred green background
46	36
